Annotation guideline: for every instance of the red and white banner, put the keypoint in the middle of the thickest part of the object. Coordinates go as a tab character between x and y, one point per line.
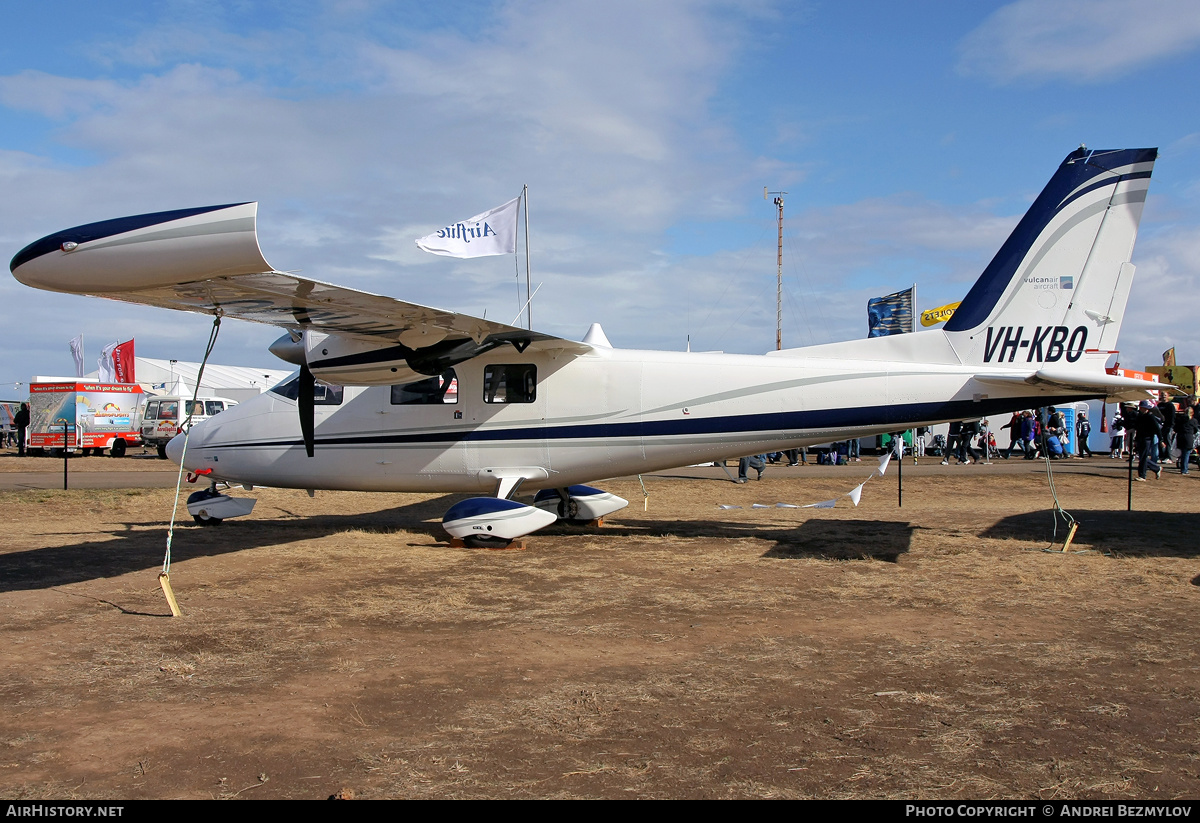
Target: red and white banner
123	365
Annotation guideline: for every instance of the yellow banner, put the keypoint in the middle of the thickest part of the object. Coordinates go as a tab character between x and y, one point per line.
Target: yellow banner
1181	376
941	314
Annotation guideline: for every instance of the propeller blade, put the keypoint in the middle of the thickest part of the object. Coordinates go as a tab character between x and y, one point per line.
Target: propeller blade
305	403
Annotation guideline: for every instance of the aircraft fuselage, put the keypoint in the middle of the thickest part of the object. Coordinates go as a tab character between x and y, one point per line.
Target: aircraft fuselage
614	413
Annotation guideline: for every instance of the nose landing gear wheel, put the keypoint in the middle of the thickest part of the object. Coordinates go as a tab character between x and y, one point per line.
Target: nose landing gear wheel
203	517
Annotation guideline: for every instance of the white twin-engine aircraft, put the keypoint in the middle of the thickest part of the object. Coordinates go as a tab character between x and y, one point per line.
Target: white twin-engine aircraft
393	396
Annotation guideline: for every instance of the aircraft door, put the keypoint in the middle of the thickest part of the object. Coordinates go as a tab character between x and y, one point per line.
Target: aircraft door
421	420
506	421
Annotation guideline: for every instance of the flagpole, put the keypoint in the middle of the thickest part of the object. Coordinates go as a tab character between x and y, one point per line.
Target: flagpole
912	323
528	295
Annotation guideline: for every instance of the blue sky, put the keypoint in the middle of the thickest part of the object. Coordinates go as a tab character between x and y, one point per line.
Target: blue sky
910	138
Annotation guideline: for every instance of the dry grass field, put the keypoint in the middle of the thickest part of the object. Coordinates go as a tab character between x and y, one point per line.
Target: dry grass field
929	651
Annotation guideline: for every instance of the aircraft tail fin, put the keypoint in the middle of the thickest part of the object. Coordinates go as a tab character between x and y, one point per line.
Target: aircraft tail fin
1058	286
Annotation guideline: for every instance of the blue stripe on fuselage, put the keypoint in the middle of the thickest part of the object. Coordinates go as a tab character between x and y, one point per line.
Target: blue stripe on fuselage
769	424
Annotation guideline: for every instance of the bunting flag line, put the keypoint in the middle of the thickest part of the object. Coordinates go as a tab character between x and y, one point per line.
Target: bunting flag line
855	494
883	464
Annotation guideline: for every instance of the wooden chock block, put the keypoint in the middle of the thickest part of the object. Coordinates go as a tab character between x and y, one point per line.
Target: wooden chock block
164	580
1070	537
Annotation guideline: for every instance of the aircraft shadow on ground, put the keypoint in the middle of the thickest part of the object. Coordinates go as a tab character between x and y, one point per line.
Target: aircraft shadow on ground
821	539
1136	533
128	550
846	540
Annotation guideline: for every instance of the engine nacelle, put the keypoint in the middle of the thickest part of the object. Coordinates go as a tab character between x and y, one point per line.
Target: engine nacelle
583	503
493	521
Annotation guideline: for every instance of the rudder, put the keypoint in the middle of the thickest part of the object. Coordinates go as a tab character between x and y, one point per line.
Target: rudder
1058	285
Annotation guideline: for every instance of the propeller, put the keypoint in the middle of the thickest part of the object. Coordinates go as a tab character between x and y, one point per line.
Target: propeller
305	403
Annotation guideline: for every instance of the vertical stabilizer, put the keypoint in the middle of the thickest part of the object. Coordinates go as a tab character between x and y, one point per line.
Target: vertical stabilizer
1059	284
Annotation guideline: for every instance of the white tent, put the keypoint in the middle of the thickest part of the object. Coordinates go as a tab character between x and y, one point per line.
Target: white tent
178	377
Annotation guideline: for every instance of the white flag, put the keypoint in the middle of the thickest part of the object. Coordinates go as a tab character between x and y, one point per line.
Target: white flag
883	464
855	494
493	232
108	371
77	353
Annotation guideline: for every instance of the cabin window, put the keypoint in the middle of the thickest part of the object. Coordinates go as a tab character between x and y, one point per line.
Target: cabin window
510	384
323	396
432	391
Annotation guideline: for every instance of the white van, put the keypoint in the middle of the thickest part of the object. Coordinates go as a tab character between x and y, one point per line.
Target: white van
166	417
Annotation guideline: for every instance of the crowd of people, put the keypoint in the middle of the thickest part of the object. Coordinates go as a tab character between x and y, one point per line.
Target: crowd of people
1148	431
1156	434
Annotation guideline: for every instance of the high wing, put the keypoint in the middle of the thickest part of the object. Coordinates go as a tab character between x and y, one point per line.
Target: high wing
207	260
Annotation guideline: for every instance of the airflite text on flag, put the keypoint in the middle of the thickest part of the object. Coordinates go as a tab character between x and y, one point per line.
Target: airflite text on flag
493	232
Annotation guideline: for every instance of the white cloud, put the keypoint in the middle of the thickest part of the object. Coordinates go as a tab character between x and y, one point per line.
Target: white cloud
1082	41
1161	311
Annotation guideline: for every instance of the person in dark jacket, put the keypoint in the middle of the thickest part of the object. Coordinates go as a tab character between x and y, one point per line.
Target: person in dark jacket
1148	429
1083	430
966	450
1014	434
952	439
1167	409
1028	434
1186	428
21	421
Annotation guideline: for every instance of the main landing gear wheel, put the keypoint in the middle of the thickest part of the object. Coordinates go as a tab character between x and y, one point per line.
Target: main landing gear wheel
568	511
578	505
162	451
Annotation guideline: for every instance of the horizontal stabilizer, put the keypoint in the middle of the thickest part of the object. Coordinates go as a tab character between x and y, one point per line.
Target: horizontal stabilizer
1100	385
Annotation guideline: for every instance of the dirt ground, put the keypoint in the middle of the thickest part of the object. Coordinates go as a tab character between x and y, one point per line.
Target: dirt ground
929	651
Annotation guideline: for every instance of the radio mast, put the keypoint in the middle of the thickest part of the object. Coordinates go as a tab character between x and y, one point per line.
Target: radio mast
778	268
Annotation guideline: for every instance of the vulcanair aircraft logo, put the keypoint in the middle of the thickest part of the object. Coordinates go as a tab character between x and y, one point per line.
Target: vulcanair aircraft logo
1041	283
